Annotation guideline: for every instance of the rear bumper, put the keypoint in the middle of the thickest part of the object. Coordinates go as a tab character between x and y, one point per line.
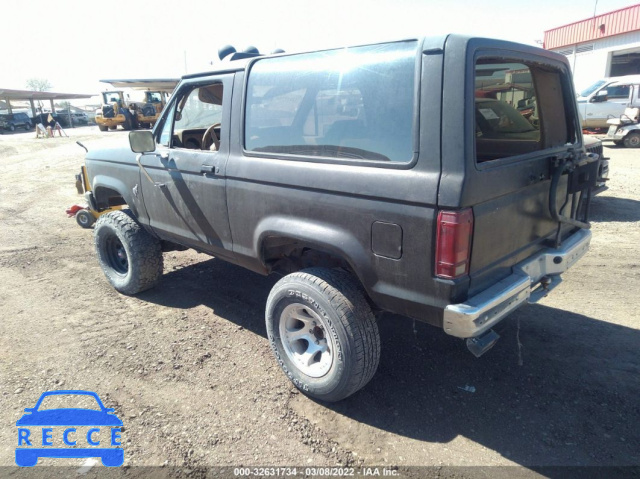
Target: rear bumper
484	310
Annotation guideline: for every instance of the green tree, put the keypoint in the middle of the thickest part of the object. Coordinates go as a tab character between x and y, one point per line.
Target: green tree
38	84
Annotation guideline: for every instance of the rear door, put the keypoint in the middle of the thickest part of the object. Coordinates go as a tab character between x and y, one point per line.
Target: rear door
519	120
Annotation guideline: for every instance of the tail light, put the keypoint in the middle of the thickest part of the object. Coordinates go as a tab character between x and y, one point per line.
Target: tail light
453	243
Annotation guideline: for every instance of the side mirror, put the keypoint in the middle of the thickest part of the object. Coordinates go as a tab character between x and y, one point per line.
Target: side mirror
142	141
600	96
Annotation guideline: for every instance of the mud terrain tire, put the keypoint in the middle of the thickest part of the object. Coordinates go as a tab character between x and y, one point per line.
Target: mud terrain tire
129	256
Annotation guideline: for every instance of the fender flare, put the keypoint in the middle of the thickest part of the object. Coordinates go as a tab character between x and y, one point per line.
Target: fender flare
323	236
108	182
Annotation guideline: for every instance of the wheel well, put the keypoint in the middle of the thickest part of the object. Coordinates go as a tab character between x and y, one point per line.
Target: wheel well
107	198
285	255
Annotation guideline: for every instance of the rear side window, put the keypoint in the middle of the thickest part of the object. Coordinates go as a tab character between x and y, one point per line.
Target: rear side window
519	108
355	103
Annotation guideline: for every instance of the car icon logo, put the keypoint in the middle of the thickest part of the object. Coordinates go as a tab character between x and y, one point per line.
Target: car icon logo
74	427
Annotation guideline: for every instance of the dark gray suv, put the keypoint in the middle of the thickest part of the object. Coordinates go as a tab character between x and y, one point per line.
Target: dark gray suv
11	121
392	177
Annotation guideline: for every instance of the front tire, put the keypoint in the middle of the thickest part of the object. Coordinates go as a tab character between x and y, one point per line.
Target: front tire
323	333
129	256
103	127
632	140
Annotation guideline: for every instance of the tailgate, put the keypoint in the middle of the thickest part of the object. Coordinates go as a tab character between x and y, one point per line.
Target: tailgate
519	221
524	172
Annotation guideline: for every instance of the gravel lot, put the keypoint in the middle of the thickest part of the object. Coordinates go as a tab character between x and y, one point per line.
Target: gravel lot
188	368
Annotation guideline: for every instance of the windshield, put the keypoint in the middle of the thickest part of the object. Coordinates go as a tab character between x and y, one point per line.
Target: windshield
495	118
588	91
111	97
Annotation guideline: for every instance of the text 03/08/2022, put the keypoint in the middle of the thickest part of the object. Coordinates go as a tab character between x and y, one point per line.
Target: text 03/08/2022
314	471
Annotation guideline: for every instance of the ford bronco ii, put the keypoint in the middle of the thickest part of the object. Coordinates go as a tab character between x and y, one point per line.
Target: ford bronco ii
443	179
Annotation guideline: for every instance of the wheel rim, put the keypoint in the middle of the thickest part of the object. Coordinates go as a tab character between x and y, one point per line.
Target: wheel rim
83	219
117	255
306	341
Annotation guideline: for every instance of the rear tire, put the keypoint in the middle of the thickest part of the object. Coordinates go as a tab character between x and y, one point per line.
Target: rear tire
129	256
632	140
103	128
12	128
618	142
323	333
28	126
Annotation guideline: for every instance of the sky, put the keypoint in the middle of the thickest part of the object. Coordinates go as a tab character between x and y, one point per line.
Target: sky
75	43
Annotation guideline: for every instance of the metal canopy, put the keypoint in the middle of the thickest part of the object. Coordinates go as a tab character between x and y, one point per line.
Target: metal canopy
156	84
6	94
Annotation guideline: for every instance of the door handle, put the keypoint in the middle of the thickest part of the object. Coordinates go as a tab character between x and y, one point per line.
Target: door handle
209	170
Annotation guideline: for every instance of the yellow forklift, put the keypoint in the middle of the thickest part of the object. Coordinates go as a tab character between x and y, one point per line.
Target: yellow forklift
139	108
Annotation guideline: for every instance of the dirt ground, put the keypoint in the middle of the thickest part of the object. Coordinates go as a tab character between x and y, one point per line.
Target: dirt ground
188	368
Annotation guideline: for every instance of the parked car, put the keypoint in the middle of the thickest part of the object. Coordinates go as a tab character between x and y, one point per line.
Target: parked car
78	118
360	178
604	100
43	118
11	121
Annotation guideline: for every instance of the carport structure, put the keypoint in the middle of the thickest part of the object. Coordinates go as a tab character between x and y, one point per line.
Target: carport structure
7	95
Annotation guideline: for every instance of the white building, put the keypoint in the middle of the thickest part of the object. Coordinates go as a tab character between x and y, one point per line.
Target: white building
601	46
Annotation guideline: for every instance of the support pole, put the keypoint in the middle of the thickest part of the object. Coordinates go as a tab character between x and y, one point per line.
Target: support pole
33	108
9	106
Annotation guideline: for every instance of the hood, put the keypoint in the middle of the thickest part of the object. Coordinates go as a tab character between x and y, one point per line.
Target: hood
117	151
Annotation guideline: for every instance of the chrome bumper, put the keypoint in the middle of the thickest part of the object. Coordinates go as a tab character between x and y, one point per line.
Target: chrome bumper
483	311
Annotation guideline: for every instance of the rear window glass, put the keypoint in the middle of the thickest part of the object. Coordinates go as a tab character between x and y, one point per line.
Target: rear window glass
355	103
518	108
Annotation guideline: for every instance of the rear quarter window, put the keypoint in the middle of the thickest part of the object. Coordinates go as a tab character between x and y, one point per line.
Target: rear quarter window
348	104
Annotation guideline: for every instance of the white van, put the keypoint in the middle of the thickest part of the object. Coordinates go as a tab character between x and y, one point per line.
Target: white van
605	99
